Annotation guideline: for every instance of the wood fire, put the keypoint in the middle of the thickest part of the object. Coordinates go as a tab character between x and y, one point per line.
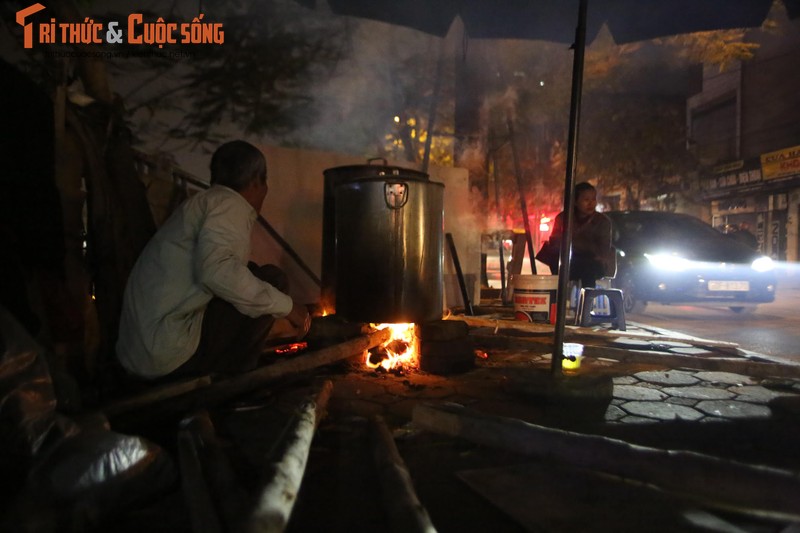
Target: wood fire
400	351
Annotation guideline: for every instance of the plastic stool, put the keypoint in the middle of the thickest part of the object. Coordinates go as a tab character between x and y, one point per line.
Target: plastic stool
585	317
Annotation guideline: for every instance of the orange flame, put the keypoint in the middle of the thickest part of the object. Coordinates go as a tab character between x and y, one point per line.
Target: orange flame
400	350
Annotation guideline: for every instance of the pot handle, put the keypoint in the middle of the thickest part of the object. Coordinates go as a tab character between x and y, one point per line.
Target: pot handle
395	194
371	159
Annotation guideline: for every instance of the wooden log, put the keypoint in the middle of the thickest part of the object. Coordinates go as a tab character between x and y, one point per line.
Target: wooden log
406	513
155	395
714	481
576	333
277	498
238	385
196	493
253	380
232	501
500	323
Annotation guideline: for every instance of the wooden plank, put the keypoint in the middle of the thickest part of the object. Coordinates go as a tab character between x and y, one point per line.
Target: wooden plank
277	497
406	512
714	481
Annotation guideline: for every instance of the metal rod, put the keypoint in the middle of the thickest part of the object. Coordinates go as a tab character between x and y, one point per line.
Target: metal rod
523	204
461	283
572	159
288	249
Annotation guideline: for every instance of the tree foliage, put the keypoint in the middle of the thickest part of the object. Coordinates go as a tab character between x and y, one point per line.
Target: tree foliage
258	81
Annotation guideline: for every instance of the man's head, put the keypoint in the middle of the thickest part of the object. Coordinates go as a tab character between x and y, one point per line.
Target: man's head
242	167
585	199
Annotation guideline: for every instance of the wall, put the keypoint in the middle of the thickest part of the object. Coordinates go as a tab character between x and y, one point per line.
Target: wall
771	90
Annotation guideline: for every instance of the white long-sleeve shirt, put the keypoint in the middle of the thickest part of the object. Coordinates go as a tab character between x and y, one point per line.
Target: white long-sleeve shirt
201	251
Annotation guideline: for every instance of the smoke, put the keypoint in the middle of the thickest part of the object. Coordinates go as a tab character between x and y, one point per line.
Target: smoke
356	105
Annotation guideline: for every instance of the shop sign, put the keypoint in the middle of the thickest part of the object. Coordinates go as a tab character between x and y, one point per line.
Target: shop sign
733	174
781	163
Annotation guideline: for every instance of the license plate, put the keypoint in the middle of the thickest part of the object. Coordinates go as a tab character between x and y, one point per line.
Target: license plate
729	285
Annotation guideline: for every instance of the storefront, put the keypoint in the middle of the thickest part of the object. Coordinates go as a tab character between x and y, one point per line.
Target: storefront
760	195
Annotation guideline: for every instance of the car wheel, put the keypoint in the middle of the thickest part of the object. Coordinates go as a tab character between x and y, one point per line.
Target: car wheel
630	302
743	309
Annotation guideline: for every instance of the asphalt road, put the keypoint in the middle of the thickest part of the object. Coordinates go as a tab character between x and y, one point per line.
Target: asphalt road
771	329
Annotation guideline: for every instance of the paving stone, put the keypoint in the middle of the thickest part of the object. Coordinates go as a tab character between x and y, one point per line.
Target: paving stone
726	377
626	342
668	377
779	384
632	392
681	401
699	393
614	413
630	419
617	401
625	380
733	409
669	345
662	411
714	420
756	394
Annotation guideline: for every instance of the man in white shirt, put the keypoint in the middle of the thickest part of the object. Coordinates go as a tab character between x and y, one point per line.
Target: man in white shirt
192	304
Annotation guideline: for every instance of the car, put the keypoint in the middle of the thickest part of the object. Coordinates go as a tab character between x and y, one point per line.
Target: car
673	258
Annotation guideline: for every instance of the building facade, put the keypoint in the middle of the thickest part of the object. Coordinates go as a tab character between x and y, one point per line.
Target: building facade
744	129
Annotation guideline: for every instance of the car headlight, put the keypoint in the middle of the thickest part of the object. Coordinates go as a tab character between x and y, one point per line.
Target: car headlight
671	262
763	264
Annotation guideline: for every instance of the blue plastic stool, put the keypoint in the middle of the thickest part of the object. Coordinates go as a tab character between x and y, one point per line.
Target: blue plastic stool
584	316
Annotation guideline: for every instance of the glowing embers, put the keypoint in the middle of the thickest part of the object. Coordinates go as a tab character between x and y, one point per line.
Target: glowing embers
399	353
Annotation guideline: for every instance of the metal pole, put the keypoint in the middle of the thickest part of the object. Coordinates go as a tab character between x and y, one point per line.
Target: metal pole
460	275
572	158
523	204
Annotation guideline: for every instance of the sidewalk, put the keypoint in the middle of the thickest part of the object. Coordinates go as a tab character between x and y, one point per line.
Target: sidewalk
728	416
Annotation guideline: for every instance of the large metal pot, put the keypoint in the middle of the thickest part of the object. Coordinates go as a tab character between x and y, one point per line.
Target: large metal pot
388	248
333	177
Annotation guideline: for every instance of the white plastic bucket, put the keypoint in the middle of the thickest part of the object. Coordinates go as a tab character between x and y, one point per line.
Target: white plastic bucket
535	298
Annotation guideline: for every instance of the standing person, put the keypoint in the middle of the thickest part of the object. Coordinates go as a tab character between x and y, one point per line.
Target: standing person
193	305
592	254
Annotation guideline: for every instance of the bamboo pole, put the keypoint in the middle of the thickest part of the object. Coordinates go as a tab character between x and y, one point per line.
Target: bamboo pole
277	498
715	481
406	512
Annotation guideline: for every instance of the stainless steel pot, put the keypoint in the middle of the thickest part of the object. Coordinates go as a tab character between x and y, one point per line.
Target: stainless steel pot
389	239
333	177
